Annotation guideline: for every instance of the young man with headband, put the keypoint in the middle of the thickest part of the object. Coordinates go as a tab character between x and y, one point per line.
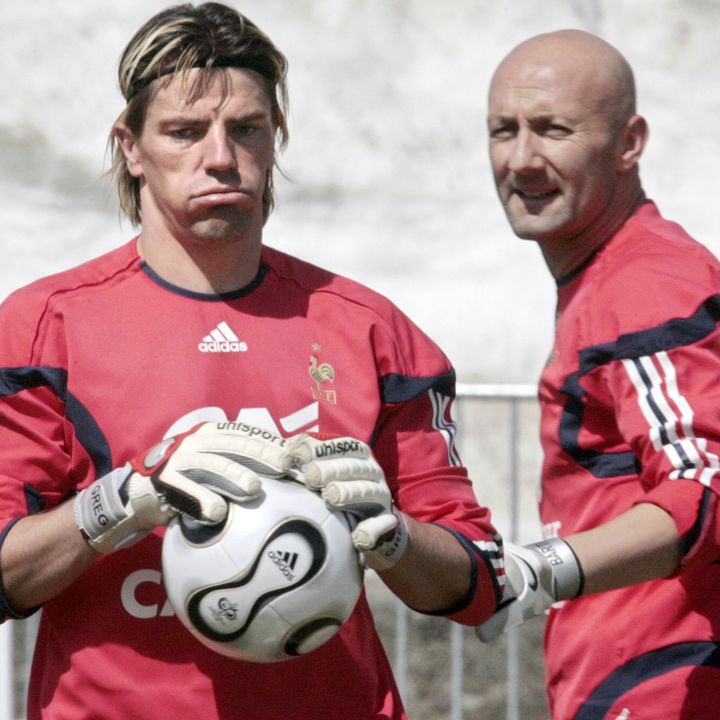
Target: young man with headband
193	323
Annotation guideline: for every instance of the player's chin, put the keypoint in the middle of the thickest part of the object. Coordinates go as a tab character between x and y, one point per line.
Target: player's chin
223	224
534	227
521	227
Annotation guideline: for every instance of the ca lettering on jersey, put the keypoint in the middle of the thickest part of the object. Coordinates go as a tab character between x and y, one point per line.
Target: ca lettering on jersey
131	602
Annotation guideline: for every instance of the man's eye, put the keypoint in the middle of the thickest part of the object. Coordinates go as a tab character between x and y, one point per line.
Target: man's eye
244	130
557	130
502	132
186	133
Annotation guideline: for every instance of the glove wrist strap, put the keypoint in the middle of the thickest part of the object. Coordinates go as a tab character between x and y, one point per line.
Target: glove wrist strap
99	507
390	549
567	573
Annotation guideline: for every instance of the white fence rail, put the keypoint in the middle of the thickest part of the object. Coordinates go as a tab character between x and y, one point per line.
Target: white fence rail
441	669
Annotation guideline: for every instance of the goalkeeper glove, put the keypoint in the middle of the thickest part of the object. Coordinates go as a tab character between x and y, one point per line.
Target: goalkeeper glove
195	473
536	576
349	478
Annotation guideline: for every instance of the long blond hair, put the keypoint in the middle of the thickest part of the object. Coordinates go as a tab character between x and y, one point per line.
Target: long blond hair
208	37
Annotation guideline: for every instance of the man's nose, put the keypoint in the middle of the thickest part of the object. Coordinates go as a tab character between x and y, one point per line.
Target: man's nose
525	156
219	151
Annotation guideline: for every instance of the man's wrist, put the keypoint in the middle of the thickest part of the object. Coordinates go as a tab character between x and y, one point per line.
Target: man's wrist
98	508
568	578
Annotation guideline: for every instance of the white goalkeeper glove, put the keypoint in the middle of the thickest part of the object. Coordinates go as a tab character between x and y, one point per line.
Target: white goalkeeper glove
195	473
349	478
536	576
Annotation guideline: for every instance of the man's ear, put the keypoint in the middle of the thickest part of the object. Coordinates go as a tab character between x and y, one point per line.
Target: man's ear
128	144
632	139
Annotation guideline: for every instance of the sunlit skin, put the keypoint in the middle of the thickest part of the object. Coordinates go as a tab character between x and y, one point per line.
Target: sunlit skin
202	168
564	144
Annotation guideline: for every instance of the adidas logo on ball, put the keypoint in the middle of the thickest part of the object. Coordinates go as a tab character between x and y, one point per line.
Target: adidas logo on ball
285	562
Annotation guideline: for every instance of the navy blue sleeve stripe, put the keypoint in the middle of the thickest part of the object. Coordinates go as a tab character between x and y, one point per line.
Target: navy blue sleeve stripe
644	668
675	333
688	540
34	499
474	552
396	388
672	334
14	380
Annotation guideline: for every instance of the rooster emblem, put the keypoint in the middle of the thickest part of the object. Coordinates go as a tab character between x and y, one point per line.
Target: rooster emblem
321	373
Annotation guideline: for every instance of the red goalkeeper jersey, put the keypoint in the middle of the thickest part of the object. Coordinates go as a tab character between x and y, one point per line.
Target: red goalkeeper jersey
101	362
631	413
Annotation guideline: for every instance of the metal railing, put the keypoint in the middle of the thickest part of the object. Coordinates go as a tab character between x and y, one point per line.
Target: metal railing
506	416
467	672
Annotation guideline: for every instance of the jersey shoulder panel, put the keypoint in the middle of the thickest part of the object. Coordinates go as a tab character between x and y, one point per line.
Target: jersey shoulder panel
394	333
650	246
651	271
314	279
92	273
25	310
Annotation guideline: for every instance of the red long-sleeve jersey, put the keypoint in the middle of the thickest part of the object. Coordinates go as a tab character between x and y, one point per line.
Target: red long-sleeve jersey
630	402
99	363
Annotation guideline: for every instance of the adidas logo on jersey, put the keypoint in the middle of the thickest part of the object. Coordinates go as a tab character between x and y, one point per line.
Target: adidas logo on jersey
222	340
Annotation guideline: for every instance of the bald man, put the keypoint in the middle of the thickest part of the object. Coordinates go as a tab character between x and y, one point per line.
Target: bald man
630	398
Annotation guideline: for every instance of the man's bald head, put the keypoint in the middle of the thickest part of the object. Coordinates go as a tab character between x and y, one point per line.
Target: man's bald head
596	70
565	143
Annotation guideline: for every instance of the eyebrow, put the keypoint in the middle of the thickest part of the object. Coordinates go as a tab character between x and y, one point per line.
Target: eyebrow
182	119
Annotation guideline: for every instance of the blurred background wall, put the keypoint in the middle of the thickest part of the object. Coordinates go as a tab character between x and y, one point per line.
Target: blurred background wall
388	178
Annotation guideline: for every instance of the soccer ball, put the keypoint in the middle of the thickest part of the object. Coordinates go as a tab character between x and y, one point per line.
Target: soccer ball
275	581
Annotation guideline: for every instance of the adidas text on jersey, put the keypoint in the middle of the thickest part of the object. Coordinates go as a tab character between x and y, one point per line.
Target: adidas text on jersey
222	339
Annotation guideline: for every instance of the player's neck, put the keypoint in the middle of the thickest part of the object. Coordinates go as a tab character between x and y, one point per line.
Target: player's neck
565	255
201	265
